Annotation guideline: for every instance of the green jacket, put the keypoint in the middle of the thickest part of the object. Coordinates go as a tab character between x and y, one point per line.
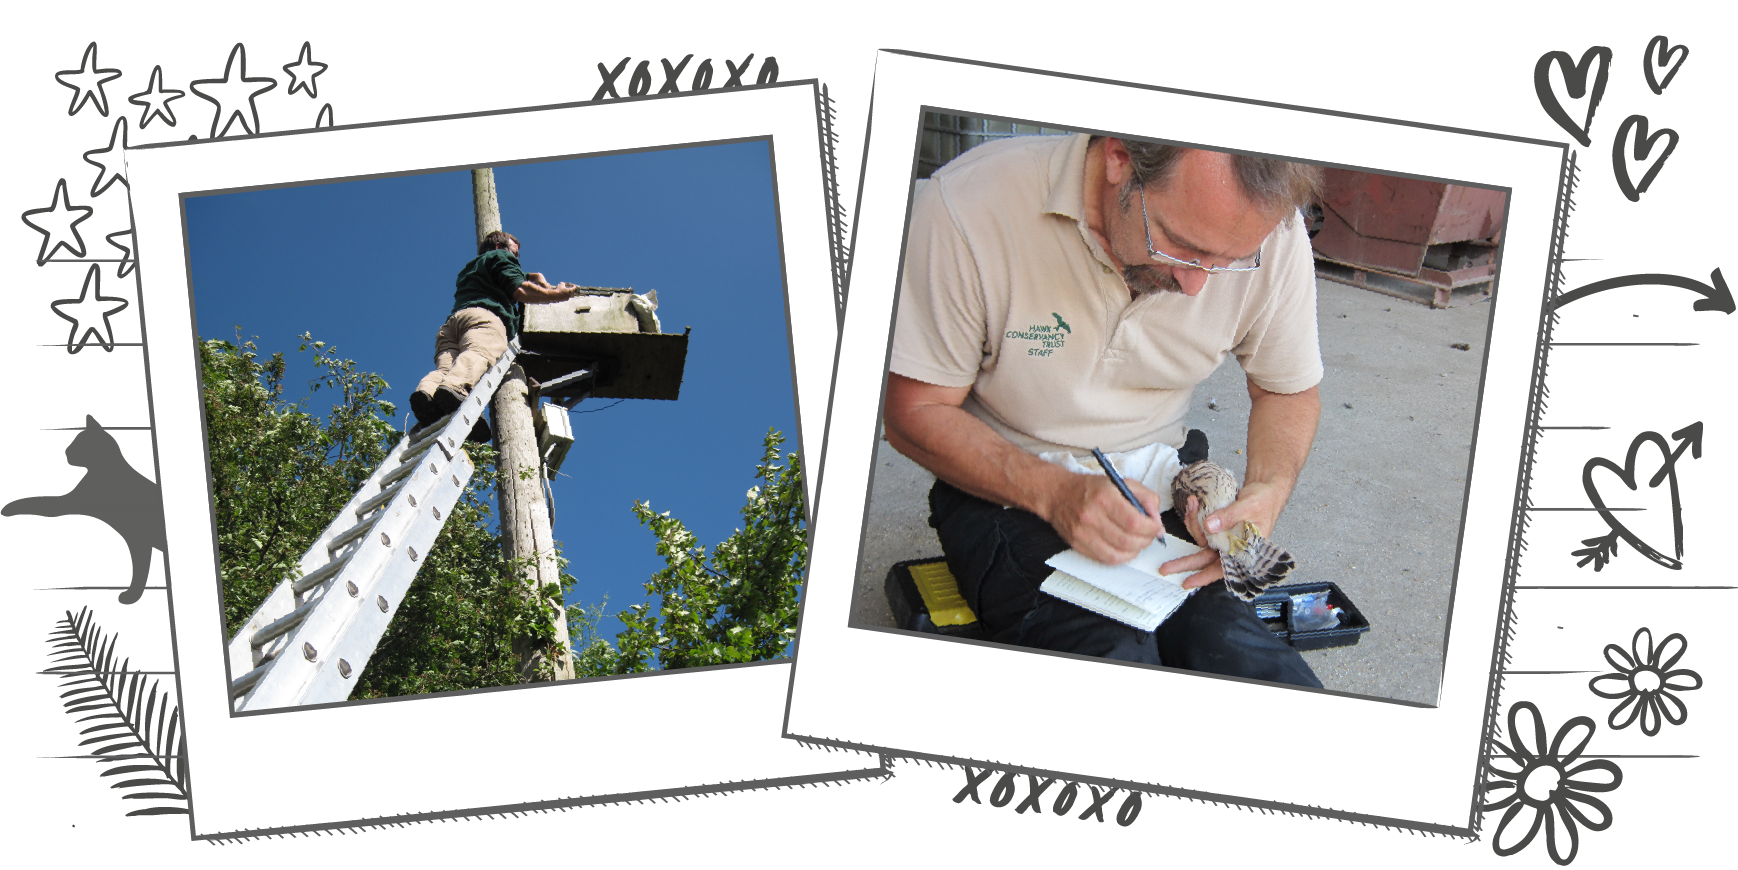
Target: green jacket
489	282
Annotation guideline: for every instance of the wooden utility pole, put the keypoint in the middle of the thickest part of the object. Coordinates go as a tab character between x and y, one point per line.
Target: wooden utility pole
487	207
525	529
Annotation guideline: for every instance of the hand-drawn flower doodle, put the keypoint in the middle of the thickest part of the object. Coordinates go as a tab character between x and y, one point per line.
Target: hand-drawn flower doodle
1548	789
1650	719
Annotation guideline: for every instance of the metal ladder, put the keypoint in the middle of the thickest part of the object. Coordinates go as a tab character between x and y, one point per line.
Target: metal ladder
314	634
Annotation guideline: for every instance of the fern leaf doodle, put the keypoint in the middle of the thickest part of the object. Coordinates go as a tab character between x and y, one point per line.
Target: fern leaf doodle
143	744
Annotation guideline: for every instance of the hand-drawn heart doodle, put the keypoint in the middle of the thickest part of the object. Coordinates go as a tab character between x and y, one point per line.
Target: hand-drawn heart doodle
1659	54
1601	549
1644	145
1575	81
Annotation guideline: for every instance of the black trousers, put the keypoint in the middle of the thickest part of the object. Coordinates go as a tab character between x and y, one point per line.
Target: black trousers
997	554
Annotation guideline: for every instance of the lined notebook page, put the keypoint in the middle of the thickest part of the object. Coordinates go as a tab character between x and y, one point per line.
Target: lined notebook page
1134	593
1076	591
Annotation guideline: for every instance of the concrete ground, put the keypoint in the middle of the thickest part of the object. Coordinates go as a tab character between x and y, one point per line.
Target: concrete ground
1377	509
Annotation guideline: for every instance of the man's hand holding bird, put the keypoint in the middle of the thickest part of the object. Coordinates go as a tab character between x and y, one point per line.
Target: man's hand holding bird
1229	524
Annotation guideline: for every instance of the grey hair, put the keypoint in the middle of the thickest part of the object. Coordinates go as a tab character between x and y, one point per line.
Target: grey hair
1273	185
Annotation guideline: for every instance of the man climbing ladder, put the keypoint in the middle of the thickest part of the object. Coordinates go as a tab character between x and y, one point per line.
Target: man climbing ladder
314	634
488	311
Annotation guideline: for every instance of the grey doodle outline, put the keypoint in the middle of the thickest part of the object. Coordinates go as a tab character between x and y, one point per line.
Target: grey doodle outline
1660	46
1007	785
640	80
152	737
305	58
1650	719
92	92
673	72
1577	84
1561	801
155	87
607	89
736	72
230	66
826	101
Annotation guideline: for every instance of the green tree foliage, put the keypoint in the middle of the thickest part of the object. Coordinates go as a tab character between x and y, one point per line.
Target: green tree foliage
280	474
738	604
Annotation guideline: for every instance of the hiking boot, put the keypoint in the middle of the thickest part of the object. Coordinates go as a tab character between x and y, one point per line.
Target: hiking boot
480	433
422	406
447	400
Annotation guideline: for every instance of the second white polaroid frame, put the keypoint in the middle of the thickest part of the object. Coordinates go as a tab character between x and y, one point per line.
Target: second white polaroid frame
1170	731
495	750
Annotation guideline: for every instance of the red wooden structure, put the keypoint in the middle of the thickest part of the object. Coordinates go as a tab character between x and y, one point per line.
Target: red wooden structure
1408	238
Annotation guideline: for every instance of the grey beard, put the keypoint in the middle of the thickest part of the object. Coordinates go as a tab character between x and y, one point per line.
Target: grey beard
1148	279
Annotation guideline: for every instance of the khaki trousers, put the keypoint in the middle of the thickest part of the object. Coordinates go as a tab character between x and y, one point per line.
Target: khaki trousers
466	346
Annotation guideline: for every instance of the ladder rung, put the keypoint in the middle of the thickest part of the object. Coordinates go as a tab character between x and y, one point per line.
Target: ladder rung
246	681
404	470
384	496
321	574
428	435
284	625
348	535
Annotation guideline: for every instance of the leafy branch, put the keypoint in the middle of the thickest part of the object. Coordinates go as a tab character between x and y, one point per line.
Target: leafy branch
735	604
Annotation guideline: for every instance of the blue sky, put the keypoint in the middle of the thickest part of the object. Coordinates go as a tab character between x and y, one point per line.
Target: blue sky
368	267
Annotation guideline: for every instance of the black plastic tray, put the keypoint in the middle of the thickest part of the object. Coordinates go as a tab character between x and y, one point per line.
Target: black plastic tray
909	611
1352	622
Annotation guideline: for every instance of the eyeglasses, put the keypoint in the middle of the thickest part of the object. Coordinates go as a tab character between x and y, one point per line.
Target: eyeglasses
1244	264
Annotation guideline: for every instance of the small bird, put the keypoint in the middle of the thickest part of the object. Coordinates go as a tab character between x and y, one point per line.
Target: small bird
1251	562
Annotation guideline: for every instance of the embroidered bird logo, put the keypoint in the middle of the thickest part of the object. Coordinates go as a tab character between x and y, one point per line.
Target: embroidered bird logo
1251	562
1062	324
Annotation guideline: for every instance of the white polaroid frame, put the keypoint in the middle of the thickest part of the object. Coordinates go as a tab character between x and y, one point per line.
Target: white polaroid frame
1155	729
490	750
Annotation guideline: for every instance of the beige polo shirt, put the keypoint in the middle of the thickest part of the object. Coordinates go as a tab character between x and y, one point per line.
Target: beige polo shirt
1005	290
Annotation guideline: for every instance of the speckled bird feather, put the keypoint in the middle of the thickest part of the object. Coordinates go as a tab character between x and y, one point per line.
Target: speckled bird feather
1251	562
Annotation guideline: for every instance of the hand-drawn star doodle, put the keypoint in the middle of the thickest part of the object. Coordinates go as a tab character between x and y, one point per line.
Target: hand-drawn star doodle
58	225
233	94
87	82
87	311
127	258
111	164
300	69
156	100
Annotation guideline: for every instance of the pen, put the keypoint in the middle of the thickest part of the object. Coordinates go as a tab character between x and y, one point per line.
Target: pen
1110	472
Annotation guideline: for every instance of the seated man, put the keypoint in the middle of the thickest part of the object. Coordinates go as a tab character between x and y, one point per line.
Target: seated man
488	309
1065	293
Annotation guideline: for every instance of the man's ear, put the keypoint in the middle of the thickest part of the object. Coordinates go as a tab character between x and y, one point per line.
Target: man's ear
1118	164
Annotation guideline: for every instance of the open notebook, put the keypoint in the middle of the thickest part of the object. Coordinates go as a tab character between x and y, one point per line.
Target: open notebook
1134	593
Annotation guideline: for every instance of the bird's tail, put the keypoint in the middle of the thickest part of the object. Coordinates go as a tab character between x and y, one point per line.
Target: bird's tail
1256	565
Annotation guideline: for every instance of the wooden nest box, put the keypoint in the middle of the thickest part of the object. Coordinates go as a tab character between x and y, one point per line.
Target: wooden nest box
611	332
